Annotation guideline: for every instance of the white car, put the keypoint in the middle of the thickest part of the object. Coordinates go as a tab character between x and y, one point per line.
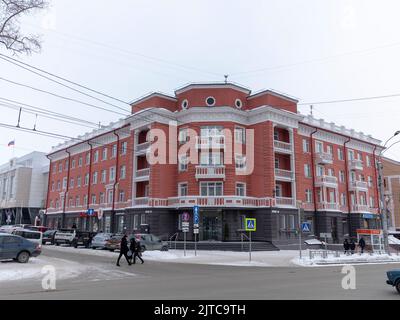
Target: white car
33	236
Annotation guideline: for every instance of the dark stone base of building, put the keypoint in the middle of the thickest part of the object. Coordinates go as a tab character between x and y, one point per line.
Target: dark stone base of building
278	226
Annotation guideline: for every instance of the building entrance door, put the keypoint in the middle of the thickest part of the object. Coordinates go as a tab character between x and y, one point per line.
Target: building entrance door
211	227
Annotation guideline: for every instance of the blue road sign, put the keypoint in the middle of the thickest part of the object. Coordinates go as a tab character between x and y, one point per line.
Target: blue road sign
196	214
250	224
90	212
306	227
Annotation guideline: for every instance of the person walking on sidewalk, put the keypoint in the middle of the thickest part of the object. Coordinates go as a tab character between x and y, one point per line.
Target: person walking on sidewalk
346	246
123	251
361	243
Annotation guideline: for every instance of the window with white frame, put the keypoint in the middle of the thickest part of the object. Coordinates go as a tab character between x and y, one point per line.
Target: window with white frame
276	135
86	179
110	196
306	145
319	146
73	164
183	136
60	167
121	197
331	172
66	165
211	131
371	202
114	151
291	222
102	198
320	171
240	161
282	222
211	158
96	156
94	179
104	154
309	196
123	172
340	154
368	160
124	147
329	149
319	195
64	184
363	200
240	189
103	176
352	176
93	199
276	163
183	162
211	189
146	190
350	154
370	182
135	222
343	199
52	186
78	181
77	201
112	174
87	158
341	176
71	183
240	135
85	200
80	161
307	170
58	185
142	218
182	189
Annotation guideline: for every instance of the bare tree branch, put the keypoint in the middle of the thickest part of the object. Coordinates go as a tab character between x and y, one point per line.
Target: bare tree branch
10	34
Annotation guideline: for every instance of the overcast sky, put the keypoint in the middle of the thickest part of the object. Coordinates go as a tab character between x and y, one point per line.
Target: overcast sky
312	50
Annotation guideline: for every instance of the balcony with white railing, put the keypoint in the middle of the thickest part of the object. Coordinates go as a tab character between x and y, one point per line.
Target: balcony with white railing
282	146
356	164
326	181
328	206
285	202
142	174
141	201
323	158
358	185
212	172
286	175
210	142
142	148
361	208
225	201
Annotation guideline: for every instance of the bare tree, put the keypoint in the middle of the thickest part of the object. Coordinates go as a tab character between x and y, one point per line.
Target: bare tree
10	32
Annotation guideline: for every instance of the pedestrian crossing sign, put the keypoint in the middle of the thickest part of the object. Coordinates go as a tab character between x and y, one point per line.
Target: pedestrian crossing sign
250	224
306	227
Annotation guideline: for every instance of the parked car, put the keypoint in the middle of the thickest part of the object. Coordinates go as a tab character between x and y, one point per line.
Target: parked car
150	242
74	237
48	236
394	279
114	242
99	241
11	228
17	248
33	236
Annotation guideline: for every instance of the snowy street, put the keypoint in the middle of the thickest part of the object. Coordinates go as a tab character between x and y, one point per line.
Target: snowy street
92	274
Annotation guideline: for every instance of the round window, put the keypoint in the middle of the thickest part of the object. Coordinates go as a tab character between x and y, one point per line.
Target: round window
185	104
238	103
210	101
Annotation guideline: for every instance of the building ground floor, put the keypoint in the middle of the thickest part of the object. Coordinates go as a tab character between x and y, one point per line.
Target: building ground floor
276	225
23	215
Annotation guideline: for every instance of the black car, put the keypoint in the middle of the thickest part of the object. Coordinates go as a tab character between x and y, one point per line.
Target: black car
48	236
83	238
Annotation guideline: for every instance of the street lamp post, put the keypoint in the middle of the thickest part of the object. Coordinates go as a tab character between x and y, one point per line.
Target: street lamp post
299	204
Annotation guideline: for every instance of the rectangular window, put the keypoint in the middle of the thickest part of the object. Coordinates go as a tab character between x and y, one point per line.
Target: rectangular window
135	222
211	158
77	202
123	172
291	222
64	184
368	159
319	147
183	135
341	176
80	162
329	149
102	198
351	154
110	196
73	164
370	182
71	183
96	156
276	135
114	151
93	199
104	154
87	158
240	135
60	167
371	202
211	189
240	161
121	197
85	200
309	196
182	189
306	145
320	171
87	179
342	199
124	148
78	181
240	189
307	170
278	190
142	218
94	178
183	162
103	176
282	222
340	154
112	174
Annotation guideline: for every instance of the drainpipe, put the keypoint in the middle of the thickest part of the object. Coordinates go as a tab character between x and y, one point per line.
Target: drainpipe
116	179
313	170
48	193
67	189
346	172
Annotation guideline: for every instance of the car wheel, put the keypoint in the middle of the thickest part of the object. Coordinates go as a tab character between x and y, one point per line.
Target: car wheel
164	248
23	257
94	248
57	244
112	250
398	286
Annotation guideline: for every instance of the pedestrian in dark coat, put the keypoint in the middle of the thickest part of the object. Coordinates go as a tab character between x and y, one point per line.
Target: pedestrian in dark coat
123	251
346	246
136	250
361	243
352	246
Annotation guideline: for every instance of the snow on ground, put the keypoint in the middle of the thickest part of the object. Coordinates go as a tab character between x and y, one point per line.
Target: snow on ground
343	259
393	240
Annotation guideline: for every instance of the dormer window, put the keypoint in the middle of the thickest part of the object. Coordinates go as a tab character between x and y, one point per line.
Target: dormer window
210	101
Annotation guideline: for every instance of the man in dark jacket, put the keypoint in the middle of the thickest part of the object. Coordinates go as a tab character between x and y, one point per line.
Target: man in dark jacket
361	243
346	246
123	251
136	250
352	246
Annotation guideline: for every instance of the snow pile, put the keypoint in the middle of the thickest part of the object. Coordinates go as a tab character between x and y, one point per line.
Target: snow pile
393	240
347	259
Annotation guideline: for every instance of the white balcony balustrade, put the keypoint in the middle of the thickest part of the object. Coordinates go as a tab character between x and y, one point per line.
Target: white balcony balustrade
142	174
326	181
142	148
323	158
281	174
210	142
358	185
215	172
282	146
356	164
285	202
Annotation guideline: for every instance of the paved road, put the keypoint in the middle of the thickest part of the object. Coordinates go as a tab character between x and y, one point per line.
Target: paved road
166	280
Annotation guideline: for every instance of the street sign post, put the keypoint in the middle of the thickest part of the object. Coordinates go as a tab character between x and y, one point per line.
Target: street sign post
250	226
185	229
196	219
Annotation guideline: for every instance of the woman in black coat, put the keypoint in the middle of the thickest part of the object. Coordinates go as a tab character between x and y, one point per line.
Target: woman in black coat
123	251
135	249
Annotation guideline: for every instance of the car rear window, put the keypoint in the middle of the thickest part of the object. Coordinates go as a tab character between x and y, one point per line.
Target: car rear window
28	235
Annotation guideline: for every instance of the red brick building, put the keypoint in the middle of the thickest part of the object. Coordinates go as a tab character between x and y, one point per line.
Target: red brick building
251	155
